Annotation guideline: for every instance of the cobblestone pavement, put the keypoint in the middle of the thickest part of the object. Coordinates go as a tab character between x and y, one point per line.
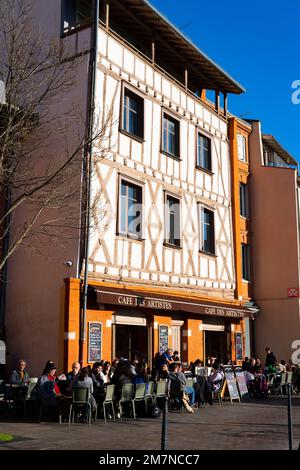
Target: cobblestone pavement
255	425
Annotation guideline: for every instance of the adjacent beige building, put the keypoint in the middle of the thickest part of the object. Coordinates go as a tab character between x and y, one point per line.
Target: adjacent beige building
274	203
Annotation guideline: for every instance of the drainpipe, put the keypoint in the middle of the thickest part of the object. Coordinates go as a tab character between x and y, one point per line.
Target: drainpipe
89	168
3	279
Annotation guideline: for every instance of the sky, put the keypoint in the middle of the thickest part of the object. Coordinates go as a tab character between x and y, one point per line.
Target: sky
258	44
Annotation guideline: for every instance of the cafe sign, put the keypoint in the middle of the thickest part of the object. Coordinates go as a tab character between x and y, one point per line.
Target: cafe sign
124	298
132	301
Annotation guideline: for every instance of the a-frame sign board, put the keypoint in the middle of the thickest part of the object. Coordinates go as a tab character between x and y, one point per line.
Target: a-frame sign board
241	382
230	384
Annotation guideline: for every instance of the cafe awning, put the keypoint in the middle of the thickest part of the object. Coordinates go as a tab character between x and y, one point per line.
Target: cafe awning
133	298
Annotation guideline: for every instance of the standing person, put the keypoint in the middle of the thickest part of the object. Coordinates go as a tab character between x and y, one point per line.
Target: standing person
270	358
20	376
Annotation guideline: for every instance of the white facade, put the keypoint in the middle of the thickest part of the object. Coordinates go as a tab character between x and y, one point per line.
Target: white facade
149	260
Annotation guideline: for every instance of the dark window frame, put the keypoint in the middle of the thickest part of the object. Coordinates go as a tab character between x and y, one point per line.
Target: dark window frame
211	250
244	200
172	118
75	26
199	133
130	92
176	243
246	262
126	233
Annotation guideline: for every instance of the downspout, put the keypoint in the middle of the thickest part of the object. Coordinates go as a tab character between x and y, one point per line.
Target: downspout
89	168
4	270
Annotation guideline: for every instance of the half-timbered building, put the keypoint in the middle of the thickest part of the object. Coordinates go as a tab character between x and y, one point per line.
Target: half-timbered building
161	261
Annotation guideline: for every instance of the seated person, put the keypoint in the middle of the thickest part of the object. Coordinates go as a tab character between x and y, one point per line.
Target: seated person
189	390
177	386
176	357
166	358
98	382
82	380
105	373
74	372
20	376
140	376
215	378
48	389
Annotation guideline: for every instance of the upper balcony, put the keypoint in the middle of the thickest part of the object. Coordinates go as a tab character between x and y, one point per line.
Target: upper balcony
145	29
275	155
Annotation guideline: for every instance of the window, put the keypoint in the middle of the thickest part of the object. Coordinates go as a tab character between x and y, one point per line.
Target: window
170	137
244	205
130	210
76	13
242	147
172	221
204	152
246	262
207	230
133	114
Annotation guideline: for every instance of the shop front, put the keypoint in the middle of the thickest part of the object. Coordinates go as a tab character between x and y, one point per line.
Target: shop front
138	322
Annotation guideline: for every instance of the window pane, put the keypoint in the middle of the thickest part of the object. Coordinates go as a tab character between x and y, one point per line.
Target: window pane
131	209
123	228
133	114
246	262
173	222
170	142
207	231
204	153
243	200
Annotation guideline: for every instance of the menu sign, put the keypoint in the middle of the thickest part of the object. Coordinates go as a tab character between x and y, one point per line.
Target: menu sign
241	381
95	342
231	383
163	338
239	346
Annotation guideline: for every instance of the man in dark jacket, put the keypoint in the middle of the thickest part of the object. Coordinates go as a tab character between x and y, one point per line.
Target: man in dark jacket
20	375
270	358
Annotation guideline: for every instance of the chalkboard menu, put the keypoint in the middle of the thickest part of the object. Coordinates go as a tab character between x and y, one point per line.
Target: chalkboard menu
239	346
95	341
241	381
231	383
163	338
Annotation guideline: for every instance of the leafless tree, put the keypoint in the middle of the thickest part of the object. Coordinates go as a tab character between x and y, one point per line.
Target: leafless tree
40	191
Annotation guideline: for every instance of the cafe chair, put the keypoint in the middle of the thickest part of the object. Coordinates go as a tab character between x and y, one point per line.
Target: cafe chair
108	401
127	398
80	400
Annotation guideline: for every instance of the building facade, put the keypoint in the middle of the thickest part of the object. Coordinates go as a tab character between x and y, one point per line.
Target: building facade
275	243
165	242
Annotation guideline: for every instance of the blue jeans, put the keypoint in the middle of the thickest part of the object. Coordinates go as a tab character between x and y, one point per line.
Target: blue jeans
191	392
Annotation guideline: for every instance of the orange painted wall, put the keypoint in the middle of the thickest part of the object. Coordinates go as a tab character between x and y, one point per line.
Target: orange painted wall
241	226
193	339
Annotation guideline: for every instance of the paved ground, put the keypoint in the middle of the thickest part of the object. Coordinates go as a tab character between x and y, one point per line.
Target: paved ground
256	425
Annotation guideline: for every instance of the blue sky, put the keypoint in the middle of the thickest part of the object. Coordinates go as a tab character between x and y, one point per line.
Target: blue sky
258	44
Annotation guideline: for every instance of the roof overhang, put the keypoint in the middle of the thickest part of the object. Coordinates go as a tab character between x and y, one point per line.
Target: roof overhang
276	147
142	20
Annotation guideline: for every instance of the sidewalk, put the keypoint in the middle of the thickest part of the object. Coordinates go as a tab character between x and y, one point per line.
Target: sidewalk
260	424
